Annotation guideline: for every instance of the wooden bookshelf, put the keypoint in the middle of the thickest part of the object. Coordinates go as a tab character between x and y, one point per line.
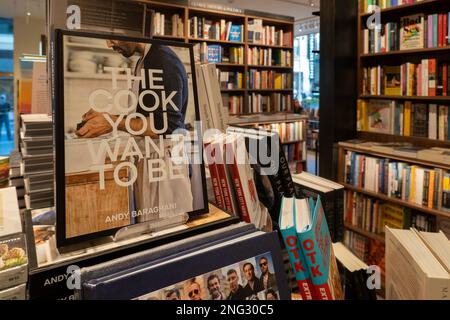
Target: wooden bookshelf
394	156
216	12
399	57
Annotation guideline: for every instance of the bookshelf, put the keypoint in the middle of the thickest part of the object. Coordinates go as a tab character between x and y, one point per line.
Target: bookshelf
291	145
211	16
388	54
386	58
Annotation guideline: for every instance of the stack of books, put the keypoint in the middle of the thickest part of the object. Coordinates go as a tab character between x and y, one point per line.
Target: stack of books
13	252
354	274
417	265
16	177
37	165
332	199
305	234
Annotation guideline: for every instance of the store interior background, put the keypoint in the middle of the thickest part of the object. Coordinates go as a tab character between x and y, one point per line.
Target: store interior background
22	23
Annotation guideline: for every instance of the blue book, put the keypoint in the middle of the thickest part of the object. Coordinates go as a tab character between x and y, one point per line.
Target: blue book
235	33
448	129
408	182
214	53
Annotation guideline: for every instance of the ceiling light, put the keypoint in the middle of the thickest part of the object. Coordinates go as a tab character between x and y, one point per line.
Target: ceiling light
28	13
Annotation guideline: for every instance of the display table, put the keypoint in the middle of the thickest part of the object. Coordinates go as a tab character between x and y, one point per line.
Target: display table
48	280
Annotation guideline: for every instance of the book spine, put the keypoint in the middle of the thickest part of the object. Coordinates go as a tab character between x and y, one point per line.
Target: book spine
223	178
298	263
238	185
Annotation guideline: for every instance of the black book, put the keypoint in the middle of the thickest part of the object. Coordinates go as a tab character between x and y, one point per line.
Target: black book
332	197
419	120
272	181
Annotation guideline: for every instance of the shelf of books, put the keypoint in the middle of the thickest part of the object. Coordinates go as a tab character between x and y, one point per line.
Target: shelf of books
252	50
395	185
403	179
404	88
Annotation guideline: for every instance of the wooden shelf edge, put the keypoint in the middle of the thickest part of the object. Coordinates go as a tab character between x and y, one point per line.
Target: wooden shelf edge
413	98
405	52
395	157
250	44
365	233
216	41
402	7
418	141
269	67
397	201
270	90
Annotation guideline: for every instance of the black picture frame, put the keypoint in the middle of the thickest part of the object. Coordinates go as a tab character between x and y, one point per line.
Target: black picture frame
57	79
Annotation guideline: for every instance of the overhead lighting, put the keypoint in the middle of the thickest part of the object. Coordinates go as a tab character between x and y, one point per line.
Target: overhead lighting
28	13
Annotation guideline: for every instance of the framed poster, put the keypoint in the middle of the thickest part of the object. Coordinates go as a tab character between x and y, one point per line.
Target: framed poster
128	150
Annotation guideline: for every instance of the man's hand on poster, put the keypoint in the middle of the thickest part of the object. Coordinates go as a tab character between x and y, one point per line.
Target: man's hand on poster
95	125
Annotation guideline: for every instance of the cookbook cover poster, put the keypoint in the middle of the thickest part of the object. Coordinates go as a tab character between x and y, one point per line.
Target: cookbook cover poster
127	135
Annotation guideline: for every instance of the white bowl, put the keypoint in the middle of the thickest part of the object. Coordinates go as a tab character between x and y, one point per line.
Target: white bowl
85	55
114	61
84	66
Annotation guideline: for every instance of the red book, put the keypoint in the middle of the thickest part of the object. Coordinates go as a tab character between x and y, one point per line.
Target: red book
210	155
224	177
440	30
244	186
432	80
444	79
315	242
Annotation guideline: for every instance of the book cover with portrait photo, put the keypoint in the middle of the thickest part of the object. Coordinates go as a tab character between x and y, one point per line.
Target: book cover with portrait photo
125	112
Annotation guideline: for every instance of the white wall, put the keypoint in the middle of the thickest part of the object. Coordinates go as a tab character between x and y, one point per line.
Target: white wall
27	37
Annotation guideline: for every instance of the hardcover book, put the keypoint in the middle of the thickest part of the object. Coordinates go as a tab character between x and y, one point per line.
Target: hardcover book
412	32
381	116
125	112
315	242
248	267
296	256
235	33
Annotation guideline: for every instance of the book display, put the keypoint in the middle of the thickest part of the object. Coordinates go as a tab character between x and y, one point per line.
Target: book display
172	164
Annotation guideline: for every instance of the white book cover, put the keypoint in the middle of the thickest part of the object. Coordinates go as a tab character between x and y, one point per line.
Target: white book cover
209	93
412	271
203	103
217	96
10	222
